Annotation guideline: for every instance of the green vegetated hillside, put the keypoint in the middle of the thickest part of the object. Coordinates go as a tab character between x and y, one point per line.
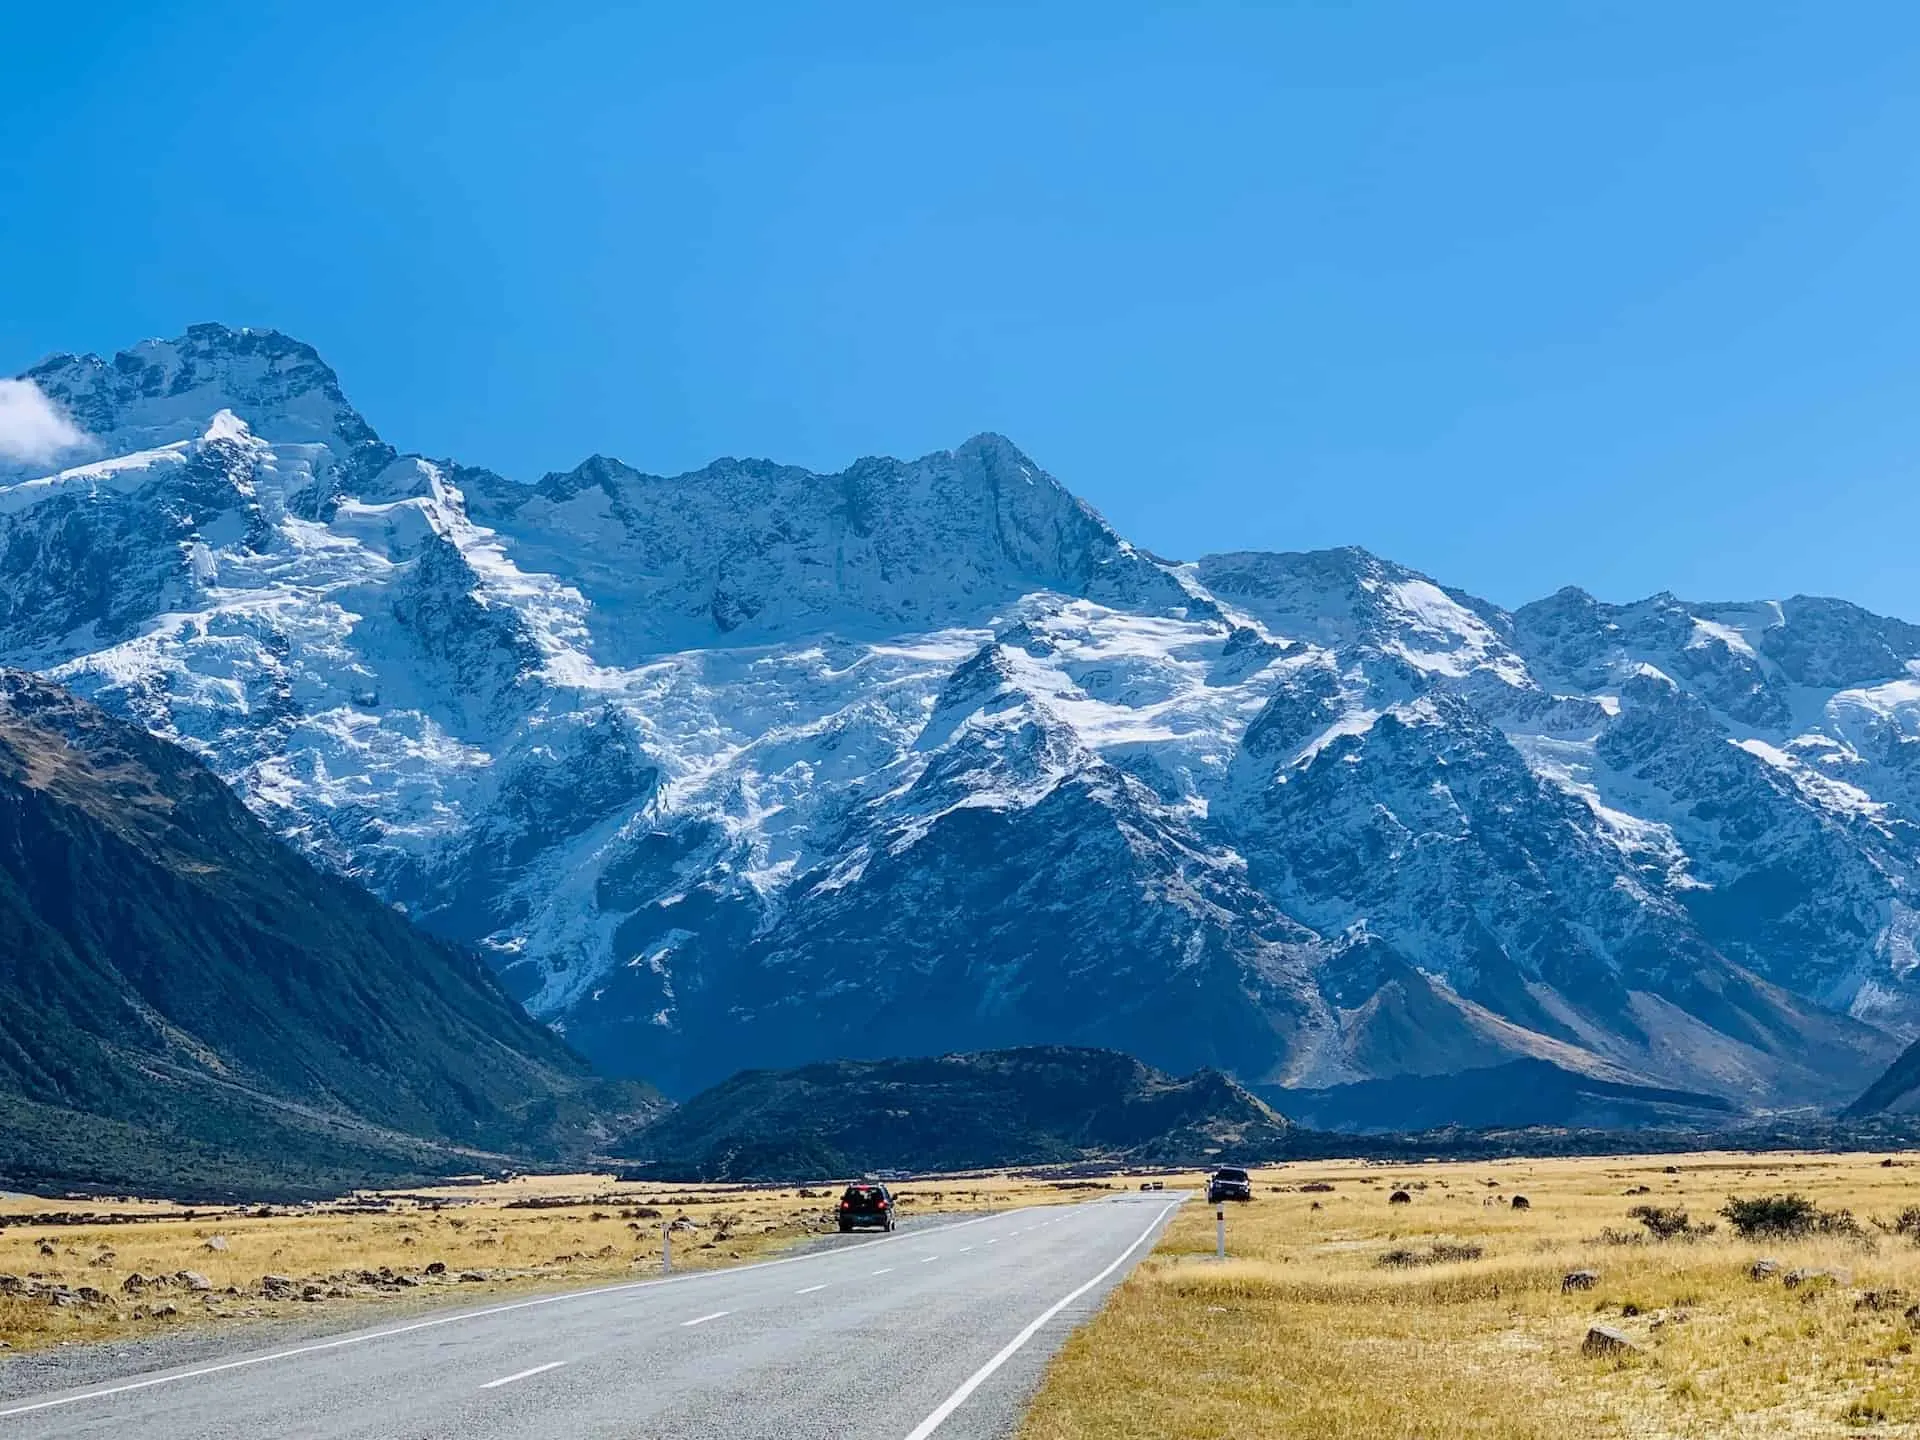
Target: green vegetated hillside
187	1005
1034	1105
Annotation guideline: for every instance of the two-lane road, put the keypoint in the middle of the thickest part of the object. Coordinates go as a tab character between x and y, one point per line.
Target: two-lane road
939	1329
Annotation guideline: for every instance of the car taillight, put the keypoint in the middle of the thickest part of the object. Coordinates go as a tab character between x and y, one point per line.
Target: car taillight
846	1204
882	1204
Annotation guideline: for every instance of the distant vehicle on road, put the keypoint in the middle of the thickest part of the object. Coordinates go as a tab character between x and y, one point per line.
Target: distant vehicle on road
866	1205
1228	1183
1153	1184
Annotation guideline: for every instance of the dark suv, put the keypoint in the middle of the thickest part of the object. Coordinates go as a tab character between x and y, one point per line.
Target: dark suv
866	1204
1229	1184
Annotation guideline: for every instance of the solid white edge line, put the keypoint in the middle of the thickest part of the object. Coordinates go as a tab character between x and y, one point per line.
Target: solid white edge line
973	1382
367	1337
702	1319
523	1375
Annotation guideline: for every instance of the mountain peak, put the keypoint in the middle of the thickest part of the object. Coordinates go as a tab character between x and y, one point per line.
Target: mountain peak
162	391
993	448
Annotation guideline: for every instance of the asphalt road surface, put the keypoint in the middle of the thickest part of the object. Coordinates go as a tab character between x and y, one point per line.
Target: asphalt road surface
941	1330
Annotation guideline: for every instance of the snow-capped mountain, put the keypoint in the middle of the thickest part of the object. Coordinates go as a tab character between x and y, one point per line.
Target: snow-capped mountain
755	766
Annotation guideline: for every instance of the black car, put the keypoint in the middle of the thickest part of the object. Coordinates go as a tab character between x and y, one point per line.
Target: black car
866	1204
1229	1184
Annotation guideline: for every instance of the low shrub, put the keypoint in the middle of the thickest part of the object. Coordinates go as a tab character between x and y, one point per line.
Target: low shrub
1663	1222
1784	1216
1906	1223
1441	1252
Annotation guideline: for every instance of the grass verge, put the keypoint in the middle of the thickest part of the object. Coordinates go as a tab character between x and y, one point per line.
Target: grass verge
1451	1314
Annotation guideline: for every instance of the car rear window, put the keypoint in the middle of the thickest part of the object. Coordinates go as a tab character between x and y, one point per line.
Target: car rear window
1232	1175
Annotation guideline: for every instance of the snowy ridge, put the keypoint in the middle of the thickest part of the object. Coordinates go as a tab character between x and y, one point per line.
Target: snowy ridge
755	766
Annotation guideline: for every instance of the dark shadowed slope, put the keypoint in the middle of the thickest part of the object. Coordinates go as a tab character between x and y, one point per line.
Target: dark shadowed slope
182	995
1035	1105
1897	1090
1518	1093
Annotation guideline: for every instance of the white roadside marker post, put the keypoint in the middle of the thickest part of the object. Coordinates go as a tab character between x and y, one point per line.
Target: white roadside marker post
666	1248
1220	1231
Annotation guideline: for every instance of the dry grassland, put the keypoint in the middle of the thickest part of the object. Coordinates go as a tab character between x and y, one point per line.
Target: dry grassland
1340	1314
161	1266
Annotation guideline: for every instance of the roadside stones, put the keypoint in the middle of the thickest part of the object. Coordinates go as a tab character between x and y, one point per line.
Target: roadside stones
194	1281
1579	1280
1604	1340
470	1277
215	1242
1819	1279
1764	1269
1520	1202
438	1267
1399	1197
103	1260
12	1285
46	1248
1881	1300
276	1287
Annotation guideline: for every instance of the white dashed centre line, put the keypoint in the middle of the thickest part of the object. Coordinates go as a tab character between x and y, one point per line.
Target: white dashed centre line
884	1270
966	1249
810	1289
523	1375
702	1319
929	1259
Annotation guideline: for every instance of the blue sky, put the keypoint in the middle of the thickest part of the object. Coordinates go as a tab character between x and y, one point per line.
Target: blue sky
1522	294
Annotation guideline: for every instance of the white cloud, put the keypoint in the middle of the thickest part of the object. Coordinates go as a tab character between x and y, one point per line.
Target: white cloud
33	429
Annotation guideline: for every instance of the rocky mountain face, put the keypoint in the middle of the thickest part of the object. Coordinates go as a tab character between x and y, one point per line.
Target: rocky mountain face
752	766
185	1000
1038	1105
